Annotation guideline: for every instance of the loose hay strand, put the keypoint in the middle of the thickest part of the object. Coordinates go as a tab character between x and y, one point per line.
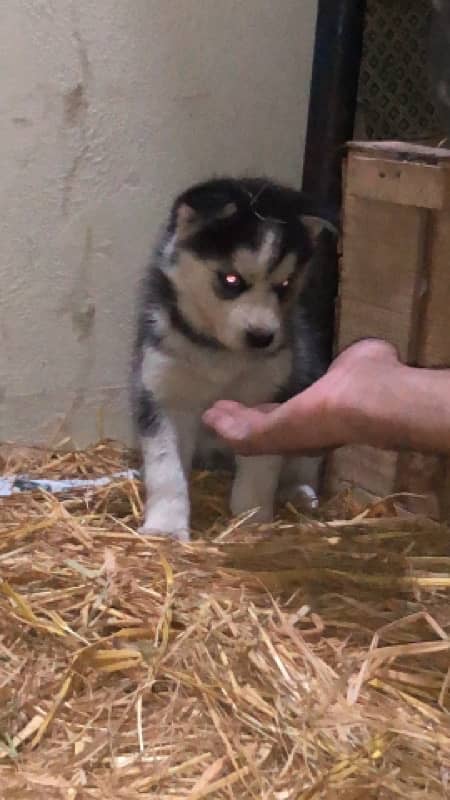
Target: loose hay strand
305	659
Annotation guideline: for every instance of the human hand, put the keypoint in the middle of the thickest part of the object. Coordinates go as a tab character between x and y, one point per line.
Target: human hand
351	401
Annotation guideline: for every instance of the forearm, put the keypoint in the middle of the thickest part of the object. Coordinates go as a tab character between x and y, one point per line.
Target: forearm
411	413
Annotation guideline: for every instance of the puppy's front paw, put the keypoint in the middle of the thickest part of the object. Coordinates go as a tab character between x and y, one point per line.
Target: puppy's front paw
173	525
254	487
262	514
181	535
302	496
242	502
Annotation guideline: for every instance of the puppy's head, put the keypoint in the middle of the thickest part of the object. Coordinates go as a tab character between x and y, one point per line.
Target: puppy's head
236	254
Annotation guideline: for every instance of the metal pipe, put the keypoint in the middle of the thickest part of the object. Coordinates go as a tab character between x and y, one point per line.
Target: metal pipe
440	59
334	88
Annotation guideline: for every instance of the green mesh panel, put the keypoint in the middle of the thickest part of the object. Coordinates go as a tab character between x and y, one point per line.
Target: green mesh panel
395	98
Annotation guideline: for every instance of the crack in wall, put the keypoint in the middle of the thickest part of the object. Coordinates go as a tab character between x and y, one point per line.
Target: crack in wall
75	110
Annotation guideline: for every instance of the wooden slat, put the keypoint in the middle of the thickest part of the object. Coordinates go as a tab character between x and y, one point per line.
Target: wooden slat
360	319
395	284
444	494
382	245
404	151
434	340
422	475
379	280
370	469
377	289
399	182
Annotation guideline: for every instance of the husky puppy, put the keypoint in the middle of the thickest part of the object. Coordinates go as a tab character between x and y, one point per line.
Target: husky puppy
221	317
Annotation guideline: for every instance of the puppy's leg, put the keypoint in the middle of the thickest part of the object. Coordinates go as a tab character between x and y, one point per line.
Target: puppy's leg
167	508
255	485
186	425
300	481
167	499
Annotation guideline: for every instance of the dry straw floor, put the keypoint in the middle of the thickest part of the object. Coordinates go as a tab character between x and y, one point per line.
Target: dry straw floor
308	659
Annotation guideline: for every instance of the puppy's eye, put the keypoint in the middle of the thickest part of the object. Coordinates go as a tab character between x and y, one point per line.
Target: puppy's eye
232	279
231	284
281	289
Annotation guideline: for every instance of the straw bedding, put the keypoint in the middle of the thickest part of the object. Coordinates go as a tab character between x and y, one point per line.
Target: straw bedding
307	659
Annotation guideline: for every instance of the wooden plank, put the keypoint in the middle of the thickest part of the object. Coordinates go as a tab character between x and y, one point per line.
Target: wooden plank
395	284
434	338
403	151
360	319
444	494
365	467
421	474
377	290
383	253
402	183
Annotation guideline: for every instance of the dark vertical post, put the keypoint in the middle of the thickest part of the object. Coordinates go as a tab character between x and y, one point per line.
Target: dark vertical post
440	60
334	87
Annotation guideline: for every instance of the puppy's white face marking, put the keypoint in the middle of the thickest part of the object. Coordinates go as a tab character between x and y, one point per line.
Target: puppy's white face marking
169	247
267	250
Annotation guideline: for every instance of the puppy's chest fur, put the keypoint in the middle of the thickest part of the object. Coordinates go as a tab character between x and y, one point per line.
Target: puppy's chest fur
184	376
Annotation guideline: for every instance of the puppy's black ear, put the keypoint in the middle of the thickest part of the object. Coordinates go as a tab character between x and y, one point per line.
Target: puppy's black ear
203	205
188	220
317	217
316	225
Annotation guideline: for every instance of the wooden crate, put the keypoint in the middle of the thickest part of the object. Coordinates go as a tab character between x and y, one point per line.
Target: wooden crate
395	284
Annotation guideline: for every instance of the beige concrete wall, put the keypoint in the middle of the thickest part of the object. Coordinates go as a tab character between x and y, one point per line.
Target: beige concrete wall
107	109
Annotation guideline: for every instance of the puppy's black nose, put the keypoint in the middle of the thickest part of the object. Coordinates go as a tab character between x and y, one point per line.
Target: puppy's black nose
258	337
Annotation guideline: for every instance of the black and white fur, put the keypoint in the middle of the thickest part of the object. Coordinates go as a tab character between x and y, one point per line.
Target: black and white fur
221	317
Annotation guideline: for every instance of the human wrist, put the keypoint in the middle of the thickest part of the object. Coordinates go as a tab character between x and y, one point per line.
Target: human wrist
379	418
